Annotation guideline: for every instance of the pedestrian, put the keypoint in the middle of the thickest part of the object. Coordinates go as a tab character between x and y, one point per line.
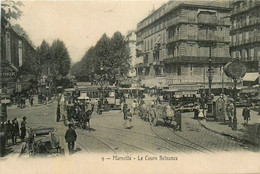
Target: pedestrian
178	121
31	100
246	115
58	113
124	113
69	110
16	129
9	130
129	116
134	106
87	115
201	114
106	105
23	128
230	113
99	107
196	112
70	138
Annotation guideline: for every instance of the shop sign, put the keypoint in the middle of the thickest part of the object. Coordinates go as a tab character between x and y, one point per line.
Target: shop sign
8	72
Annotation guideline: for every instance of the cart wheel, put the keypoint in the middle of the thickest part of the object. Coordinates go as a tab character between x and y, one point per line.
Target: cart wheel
167	120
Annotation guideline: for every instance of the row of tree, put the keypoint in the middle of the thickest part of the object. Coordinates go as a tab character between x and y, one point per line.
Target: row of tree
108	60
54	61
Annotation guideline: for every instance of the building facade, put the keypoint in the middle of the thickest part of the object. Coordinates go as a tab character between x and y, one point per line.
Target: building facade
18	56
180	39
245	33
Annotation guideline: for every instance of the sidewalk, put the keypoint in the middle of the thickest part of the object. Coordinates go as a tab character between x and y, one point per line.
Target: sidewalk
245	134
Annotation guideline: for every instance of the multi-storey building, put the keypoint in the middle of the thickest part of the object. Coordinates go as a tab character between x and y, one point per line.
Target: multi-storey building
18	56
245	32
180	39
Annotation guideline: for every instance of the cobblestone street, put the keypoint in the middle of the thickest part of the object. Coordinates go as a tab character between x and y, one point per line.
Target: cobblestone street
108	135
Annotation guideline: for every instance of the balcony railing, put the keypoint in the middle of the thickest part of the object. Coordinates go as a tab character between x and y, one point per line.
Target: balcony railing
199	38
184	59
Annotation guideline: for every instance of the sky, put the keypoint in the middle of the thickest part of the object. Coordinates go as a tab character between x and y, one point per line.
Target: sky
80	24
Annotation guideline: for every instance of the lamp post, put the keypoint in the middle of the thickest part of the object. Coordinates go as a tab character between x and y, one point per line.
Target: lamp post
235	105
209	103
235	70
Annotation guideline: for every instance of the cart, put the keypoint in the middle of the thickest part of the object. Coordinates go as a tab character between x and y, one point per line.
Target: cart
161	111
143	112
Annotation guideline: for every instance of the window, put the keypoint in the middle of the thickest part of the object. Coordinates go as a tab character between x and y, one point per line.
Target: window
251	53
178	70
246	37
151	44
234	39
235	24
163	38
240	37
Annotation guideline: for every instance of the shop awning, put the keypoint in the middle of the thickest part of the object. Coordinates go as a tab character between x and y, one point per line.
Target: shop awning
251	77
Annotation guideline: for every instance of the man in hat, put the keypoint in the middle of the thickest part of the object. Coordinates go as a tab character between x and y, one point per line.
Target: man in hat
23	128
70	138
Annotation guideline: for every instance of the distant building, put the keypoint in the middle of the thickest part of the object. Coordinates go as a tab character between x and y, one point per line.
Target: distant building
174	42
245	33
131	43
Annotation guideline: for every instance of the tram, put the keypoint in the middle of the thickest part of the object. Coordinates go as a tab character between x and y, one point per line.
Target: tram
109	93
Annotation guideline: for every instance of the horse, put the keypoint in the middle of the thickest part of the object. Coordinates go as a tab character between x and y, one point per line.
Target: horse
85	117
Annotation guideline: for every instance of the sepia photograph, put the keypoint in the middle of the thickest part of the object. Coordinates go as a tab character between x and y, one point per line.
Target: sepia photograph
127	86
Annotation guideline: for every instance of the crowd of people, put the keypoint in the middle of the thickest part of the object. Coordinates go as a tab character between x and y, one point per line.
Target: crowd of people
13	131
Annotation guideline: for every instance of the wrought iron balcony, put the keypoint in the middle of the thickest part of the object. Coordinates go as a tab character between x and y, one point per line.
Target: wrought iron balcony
194	59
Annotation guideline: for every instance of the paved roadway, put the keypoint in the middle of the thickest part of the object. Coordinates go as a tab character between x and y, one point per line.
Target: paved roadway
108	135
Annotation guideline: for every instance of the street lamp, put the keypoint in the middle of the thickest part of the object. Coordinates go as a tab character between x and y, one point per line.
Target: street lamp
235	70
209	103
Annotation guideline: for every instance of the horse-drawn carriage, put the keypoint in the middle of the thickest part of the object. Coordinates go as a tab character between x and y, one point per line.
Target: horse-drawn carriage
82	116
152	113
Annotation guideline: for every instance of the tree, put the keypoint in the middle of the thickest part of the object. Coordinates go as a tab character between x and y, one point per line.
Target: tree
120	55
108	56
60	59
10	10
43	58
